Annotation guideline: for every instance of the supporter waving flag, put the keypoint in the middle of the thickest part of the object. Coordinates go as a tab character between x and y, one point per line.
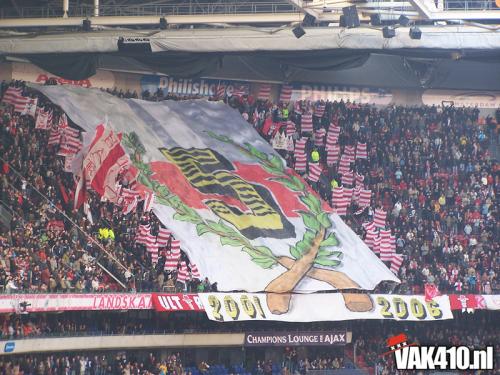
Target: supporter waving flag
15	97
105	154
264	91
195	274
286	93
306	124
164	236
361	152
43	119
379	218
396	262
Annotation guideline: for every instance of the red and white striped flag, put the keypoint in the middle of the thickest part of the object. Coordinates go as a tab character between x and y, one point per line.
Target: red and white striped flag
300	161
348	193
286	93
341	209
361	152
183	273
337	195
385	234
148	201
396	262
319	111
315	170
172	260
14	96
11	94
306	123
290	128
176	247
340	200
371	234
392	242
239	90
142	233
376	245
379	218
69	145
264	91
349	151
334	129
369	225
359	179
195	274
54	136
348	178
385	249
152	249
364	198
332	154
221	91
344	165
300	145
331	140
319	137
163	236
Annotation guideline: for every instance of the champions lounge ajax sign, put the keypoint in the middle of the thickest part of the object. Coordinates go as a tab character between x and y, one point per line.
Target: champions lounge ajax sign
297	338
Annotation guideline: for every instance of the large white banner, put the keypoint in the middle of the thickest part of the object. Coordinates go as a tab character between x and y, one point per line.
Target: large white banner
246	220
492	301
232	307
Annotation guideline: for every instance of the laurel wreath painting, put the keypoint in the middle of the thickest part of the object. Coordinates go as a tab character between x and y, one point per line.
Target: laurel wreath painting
314	249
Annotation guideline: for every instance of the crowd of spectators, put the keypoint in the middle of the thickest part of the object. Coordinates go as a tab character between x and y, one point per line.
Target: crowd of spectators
120	363
49	246
430	168
366	351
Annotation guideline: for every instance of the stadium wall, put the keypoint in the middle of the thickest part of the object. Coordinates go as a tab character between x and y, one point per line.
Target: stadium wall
64	344
489	100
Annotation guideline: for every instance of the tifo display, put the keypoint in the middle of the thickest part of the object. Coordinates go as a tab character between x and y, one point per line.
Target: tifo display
280	205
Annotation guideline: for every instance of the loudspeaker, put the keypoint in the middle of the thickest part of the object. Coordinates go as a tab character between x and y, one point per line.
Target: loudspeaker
299	32
388	32
403	20
375	20
308	20
415	33
163	23
86	25
133	45
351	16
342	21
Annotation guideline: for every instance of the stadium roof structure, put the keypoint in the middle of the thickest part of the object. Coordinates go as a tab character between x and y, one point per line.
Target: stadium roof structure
201	35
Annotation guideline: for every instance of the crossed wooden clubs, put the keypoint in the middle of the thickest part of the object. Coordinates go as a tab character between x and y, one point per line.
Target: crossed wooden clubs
279	291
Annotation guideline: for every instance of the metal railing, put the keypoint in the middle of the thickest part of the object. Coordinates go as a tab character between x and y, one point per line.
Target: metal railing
152	10
470	5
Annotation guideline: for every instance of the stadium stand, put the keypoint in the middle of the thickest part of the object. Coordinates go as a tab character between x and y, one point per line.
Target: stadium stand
430	170
263	187
436	180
